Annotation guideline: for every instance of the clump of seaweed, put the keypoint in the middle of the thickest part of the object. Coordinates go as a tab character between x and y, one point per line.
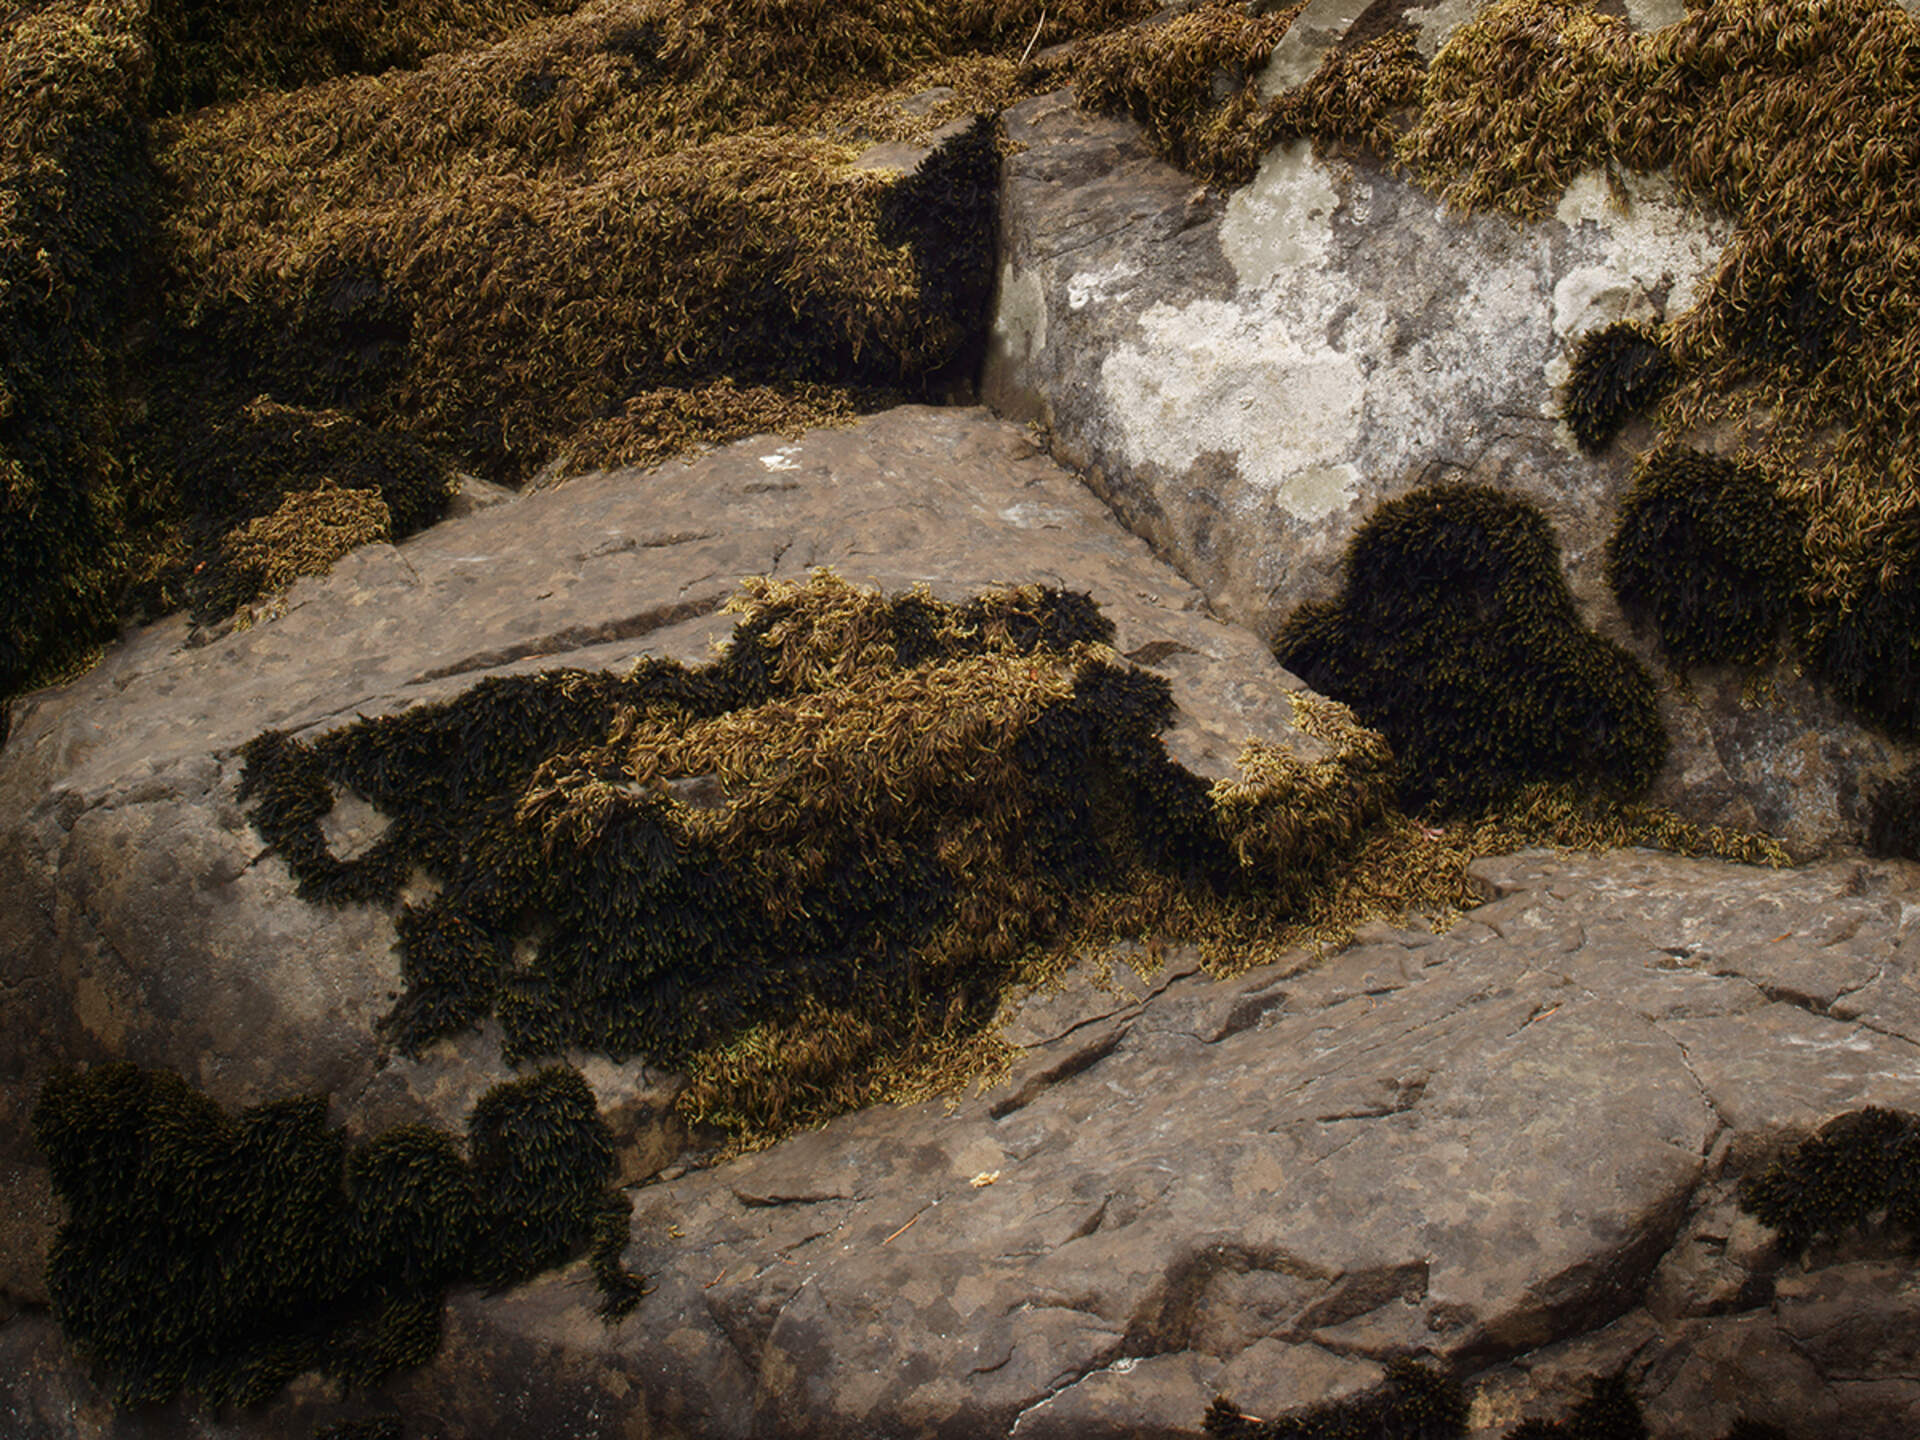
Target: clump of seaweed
1707	552
1618	371
1191	82
1415	1402
224	1254
1608	1412
1862	1166
879	809
1868	651
1455	636
75	271
1893	818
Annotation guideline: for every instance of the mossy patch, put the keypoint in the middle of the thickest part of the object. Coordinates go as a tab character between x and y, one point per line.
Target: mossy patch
1868	651
1416	1402
1618	371
882	810
1608	1411
210	51
1193	84
1708	553
1455	636
1863	1166
76	272
225	1254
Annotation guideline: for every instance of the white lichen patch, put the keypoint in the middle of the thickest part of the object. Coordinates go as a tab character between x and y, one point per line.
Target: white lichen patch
1659	255
1020	314
1216	377
1283	221
1091	287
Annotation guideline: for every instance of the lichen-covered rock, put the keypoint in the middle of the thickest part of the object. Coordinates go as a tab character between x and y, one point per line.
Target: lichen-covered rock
1247	375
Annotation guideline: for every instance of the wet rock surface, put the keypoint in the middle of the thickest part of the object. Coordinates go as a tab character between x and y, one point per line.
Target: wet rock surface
1513	1145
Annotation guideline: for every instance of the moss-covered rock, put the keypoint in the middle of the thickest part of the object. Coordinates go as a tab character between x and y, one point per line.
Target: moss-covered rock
1861	1166
871	809
76	277
1455	636
1709	555
225	1254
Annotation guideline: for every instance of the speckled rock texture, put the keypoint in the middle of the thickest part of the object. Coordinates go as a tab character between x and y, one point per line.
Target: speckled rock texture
144	921
1246	375
1513	1145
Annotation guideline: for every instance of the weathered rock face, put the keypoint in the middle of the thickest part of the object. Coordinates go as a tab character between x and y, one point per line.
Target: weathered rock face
144	920
1246	376
1513	1145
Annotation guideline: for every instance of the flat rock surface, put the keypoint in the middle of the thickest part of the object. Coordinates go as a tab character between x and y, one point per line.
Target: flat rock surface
1247	375
1512	1145
145	921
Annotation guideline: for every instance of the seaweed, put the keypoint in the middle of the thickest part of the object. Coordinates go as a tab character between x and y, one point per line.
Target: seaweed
1708	552
76	218
1415	1402
224	1254
1618	371
1455	636
1867	652
1608	1412
1859	1166
1893	818
913	799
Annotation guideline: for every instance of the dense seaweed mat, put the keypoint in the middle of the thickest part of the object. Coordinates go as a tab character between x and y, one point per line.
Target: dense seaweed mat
1454	635
253	252
1708	553
223	1254
876	806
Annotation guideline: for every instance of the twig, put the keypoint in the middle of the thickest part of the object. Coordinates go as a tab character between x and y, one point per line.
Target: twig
1036	35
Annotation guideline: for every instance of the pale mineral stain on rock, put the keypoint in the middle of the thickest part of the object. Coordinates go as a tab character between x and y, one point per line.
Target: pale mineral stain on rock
1215	377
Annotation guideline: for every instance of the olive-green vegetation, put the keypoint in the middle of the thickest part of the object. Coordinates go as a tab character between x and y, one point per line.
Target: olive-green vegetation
1192	83
1709	554
1455	636
1416	1402
1863	1166
901	805
223	1254
249	251
1617	372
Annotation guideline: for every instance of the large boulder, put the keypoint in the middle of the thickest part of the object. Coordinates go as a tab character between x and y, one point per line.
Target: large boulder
148	921
1514	1146
1247	375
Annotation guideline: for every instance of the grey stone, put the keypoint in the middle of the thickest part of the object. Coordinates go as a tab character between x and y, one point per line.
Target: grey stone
1505	1145
146	921
1245	376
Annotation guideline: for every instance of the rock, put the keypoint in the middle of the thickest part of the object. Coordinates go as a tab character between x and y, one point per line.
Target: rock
1246	376
1505	1145
149	923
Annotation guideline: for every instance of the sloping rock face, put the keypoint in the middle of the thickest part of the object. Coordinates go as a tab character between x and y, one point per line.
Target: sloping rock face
1247	376
1513	1145
144	920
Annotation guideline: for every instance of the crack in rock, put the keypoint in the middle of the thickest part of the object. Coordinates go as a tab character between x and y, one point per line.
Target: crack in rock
577	637
1081	1060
